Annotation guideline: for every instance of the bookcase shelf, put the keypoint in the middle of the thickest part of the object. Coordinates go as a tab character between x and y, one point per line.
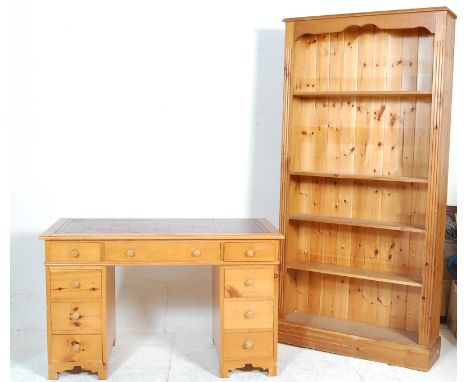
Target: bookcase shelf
404	179
351	328
358	222
344	93
358	273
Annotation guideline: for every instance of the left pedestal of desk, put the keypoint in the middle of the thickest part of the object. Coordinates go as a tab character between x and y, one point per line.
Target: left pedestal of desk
80	317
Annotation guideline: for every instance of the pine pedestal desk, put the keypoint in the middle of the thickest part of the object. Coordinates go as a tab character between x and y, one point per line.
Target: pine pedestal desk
80	260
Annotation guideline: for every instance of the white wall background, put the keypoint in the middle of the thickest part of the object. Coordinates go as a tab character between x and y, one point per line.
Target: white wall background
140	108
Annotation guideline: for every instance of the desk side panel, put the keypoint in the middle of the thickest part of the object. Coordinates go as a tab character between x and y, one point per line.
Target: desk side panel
216	311
108	307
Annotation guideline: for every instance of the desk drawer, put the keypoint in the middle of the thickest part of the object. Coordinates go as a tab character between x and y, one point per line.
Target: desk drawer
245	345
250	251
248	314
162	251
75	316
249	282
76	284
76	348
74	252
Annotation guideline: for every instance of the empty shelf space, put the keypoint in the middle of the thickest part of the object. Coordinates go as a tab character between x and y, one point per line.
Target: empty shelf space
352	328
344	93
358	273
404	179
358	222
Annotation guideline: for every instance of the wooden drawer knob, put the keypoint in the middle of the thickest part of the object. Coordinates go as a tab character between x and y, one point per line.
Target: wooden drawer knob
196	253
75	253
75	283
248	344
250	253
75	315
249	282
130	252
75	346
249	315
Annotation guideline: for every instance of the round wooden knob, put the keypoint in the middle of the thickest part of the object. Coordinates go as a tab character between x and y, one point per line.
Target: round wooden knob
75	283
75	315
250	253
249	315
196	253
75	253
76	346
248	344
130	252
249	282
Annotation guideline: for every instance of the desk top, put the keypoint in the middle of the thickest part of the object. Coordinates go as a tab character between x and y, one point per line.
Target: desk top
115	229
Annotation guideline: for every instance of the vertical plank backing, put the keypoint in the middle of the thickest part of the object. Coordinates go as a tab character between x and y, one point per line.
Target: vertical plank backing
391	192
289	303
306	49
295	139
347	151
315	279
302	278
306	129
348	160
364	125
407	110
320	136
305	64
334	294
323	62
420	168
423	107
375	166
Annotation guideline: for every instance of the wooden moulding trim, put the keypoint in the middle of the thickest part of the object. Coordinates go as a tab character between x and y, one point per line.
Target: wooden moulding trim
358	222
102	229
284	182
390	12
172	237
324	26
357	273
400	21
437	191
162	263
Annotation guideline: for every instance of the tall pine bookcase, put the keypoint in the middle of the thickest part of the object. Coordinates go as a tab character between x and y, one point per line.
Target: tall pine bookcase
366	127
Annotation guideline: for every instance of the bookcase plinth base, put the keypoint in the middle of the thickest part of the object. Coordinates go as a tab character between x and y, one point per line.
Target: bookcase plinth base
411	356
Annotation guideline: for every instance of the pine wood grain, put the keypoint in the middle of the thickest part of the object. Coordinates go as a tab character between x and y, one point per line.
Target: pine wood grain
81	322
365	176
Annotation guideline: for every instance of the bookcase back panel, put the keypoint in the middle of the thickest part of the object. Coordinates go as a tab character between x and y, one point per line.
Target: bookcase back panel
382	201
387	136
373	302
364	58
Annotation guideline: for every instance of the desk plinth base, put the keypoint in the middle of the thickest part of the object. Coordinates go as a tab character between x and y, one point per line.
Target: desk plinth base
98	368
266	365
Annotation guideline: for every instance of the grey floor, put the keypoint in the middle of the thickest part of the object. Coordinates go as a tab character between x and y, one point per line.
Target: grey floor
182	357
